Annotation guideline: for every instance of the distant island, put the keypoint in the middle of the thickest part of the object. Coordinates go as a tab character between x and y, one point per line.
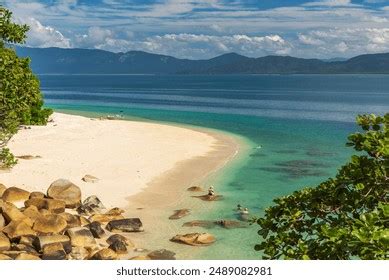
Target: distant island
93	61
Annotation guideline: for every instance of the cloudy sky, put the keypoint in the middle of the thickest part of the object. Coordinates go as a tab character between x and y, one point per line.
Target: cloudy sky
207	28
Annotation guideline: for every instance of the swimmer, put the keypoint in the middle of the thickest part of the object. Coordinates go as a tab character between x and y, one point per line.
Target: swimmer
245	211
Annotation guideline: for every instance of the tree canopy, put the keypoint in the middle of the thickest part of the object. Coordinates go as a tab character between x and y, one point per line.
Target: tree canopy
346	217
20	97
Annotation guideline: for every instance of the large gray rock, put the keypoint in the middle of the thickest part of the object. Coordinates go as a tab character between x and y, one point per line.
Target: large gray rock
105	254
53	205
81	237
119	247
24	248
65	190
17	229
117	237
37	195
71	220
96	229
50	224
42	241
12	214
91	205
112	214
79	253
15	195
54	251
125	225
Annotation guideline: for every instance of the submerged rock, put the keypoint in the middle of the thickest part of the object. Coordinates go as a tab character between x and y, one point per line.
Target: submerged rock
162	254
65	190
207	197
195	189
125	225
194	239
28	157
199	223
179	214
228	224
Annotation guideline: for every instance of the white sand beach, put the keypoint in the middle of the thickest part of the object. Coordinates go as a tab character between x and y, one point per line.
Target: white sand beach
126	156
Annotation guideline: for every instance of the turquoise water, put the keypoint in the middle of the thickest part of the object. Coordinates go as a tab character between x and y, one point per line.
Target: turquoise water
296	127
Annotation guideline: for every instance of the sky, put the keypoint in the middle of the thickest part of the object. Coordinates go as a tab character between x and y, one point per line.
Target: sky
207	28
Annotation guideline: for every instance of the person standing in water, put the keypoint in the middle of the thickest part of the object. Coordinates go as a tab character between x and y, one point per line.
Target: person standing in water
211	191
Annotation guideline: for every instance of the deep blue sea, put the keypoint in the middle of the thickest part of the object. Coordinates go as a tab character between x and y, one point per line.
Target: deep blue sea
296	126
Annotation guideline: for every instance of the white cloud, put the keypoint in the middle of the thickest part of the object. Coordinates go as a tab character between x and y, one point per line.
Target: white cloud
44	36
186	45
330	3
345	41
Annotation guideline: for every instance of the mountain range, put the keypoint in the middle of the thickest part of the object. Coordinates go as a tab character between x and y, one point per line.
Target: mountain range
93	61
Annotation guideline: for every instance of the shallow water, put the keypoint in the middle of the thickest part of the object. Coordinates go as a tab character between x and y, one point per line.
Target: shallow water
296	127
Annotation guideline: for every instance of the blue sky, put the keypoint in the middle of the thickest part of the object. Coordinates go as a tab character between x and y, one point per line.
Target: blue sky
207	28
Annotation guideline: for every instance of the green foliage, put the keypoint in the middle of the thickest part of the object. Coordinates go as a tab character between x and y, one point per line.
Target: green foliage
20	97
345	217
7	159
11	32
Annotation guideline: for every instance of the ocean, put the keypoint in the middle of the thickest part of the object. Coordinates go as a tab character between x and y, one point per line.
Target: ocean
296	128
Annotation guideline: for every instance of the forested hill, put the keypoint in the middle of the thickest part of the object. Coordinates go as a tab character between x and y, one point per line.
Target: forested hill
91	61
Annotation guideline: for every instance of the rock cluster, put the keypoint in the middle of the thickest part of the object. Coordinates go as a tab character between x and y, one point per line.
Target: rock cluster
59	225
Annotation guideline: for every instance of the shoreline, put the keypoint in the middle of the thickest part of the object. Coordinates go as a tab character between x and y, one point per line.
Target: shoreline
164	192
165	202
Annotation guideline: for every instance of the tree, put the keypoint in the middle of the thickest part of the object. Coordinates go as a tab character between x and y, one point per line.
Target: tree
20	97
346	217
